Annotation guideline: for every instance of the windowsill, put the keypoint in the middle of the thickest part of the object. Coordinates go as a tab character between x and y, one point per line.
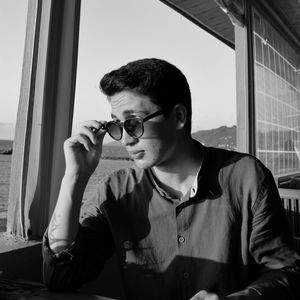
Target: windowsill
9	242
289	181
20	259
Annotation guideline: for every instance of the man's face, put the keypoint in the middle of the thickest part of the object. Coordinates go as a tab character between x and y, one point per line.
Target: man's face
154	147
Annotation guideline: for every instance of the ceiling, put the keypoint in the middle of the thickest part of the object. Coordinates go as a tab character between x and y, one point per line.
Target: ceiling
289	12
209	16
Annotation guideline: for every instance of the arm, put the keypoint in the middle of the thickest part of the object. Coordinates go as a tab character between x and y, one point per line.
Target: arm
271	246
63	227
82	154
83	260
275	265
69	254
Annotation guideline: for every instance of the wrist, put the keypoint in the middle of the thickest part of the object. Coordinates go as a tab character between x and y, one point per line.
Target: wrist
78	180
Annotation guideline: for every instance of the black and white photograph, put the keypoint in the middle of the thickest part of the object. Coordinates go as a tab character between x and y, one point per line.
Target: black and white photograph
150	150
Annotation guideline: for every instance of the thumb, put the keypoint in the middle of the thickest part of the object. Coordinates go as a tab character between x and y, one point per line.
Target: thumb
100	133
204	295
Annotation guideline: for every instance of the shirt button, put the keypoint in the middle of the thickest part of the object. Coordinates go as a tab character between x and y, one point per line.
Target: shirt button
186	275
181	239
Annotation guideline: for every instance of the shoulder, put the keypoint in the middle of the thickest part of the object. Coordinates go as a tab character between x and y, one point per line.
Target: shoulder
237	163
238	171
122	176
123	181
112	187
244	176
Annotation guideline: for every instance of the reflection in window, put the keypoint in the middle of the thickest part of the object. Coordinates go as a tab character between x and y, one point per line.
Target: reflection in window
277	100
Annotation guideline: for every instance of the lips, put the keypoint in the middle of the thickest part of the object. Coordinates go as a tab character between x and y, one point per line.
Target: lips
136	154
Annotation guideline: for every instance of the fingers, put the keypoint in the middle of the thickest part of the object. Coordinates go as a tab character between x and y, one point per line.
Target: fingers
93	129
90	134
204	295
97	127
84	140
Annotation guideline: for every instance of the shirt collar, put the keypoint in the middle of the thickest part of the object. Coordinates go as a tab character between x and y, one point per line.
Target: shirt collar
194	189
161	191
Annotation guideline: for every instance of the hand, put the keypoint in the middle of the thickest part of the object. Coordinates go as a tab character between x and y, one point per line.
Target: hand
83	150
204	295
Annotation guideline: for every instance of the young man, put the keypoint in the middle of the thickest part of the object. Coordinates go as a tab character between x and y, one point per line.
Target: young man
187	222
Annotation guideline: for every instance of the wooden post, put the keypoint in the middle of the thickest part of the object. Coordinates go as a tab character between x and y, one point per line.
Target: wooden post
242	89
245	84
45	114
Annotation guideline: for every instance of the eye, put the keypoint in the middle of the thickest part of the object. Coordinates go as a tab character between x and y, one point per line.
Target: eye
134	126
132	123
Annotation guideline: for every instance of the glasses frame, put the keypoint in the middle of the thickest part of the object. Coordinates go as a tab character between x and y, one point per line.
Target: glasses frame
122	125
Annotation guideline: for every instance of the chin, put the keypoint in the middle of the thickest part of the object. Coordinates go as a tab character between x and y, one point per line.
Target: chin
143	163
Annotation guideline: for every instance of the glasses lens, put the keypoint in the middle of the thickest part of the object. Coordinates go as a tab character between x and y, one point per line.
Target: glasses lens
114	130
134	127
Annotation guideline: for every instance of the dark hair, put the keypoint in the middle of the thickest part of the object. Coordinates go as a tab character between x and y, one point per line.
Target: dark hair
164	83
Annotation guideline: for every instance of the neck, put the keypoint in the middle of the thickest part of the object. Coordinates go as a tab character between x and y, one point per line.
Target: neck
182	170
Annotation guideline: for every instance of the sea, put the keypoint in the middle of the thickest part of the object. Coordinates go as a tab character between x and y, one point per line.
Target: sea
113	158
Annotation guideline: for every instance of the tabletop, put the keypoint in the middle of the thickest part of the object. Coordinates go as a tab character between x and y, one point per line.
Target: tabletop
24	290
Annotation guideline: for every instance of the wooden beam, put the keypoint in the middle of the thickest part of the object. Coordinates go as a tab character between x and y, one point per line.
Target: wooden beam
245	85
241	89
45	114
19	167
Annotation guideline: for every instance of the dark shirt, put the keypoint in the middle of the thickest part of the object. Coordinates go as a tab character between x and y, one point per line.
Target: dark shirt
230	236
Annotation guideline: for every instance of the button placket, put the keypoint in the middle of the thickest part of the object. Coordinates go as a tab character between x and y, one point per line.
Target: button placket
181	239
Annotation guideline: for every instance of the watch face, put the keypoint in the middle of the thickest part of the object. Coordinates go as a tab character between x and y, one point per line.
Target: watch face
63	257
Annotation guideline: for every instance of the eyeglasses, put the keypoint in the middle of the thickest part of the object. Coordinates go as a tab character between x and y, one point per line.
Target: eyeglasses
134	126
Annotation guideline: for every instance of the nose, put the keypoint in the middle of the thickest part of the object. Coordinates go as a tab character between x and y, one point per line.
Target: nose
127	139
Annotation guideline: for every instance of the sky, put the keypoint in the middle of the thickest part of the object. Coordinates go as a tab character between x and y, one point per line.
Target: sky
114	32
13	15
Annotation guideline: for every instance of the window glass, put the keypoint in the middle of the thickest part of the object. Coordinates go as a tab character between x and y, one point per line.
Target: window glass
277	101
112	33
12	34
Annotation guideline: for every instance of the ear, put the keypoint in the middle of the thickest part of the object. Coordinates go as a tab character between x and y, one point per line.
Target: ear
180	116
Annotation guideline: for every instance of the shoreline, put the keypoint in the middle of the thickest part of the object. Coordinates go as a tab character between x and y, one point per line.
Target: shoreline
6	151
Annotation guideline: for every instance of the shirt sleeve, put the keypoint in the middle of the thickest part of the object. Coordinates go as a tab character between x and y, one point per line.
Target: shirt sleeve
82	261
276	261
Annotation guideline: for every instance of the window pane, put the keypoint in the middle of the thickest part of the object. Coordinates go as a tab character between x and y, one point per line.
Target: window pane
112	33
12	34
277	99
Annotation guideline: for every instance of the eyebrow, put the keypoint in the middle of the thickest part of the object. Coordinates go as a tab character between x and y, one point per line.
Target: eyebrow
127	112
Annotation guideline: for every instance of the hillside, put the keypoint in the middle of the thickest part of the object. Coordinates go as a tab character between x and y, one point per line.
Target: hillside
222	137
6	146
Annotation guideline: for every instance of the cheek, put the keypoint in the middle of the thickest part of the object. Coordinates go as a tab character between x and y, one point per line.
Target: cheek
157	133
153	150
157	152
155	130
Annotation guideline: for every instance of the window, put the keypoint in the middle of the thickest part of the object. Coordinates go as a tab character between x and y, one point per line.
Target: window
12	35
112	33
277	102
